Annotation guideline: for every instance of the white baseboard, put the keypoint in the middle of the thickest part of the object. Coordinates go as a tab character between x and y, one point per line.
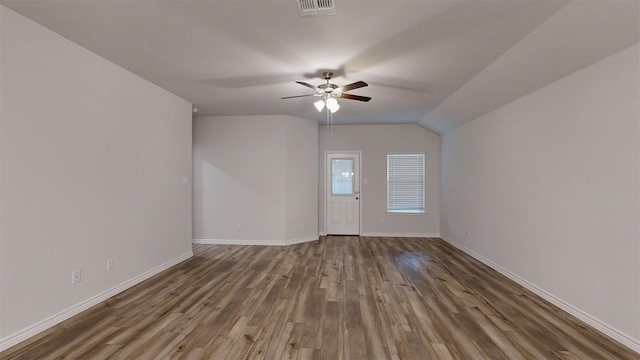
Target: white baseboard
302	240
401	235
384	234
624	339
237	242
49	322
255	242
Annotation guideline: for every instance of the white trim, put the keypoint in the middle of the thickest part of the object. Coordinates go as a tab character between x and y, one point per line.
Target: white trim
255	242
384	234
238	242
302	240
53	320
617	335
402	235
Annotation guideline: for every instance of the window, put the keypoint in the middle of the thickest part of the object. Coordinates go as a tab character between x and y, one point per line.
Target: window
405	183
342	179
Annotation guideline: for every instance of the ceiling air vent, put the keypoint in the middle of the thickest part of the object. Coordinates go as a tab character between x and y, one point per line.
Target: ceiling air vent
316	7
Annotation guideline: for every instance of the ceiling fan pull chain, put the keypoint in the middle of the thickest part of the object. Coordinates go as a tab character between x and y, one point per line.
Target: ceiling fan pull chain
330	120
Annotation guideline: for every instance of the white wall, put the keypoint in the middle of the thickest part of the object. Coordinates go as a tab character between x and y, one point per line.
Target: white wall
301	181
375	142
255	180
92	161
546	189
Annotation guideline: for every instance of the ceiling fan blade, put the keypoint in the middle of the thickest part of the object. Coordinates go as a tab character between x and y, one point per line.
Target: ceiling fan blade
355	85
307	85
355	97
297	96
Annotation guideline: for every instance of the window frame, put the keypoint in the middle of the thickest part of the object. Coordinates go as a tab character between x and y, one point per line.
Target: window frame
394	201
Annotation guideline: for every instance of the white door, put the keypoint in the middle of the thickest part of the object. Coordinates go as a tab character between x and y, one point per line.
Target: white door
343	193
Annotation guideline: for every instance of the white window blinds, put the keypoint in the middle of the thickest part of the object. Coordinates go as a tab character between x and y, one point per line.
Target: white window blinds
405	183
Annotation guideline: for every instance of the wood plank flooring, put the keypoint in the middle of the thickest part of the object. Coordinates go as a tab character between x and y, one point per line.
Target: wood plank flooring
337	298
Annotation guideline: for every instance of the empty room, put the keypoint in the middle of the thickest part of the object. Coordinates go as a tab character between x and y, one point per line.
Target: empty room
319	179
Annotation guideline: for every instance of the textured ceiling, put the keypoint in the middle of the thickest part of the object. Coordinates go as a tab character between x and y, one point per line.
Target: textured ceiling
435	63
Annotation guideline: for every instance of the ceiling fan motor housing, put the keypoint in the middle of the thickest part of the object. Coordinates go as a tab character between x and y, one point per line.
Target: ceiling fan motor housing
328	87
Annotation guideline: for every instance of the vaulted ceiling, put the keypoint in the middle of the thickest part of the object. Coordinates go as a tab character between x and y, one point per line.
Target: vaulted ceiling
435	63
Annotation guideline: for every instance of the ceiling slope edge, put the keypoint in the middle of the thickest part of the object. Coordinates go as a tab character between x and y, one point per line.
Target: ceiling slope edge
578	35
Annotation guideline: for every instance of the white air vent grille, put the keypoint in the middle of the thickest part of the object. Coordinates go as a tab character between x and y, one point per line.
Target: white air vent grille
316	7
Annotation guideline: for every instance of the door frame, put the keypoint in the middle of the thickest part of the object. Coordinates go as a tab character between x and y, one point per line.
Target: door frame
327	186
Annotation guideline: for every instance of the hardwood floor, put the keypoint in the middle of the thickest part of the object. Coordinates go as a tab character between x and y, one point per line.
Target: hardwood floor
337	298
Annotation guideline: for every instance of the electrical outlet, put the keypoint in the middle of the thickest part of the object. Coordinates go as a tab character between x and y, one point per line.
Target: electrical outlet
75	276
109	264
238	227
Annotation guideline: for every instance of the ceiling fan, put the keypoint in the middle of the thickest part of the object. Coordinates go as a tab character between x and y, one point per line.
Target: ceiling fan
331	92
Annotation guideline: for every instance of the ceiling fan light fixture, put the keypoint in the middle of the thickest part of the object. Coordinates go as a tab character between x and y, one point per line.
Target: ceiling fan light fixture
319	105
332	104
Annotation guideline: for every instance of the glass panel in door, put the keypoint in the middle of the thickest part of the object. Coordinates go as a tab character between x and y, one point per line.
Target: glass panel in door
342	177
